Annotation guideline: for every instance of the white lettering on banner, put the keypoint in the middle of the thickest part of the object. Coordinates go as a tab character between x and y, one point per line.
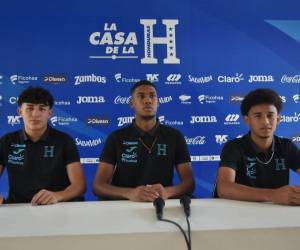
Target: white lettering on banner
22	79
221	139
117	44
165	99
89	78
296	98
88	143
89	160
152	77
162	119
198	140
201	79
196	158
290	119
90	99
231	79
124	120
203	119
119	78
290	79
150	41
13	120
122	100
260	78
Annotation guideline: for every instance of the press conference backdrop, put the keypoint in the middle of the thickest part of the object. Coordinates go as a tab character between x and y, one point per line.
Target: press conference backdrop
204	57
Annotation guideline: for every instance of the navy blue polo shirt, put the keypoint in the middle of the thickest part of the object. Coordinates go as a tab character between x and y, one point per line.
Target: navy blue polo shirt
142	158
257	169
33	166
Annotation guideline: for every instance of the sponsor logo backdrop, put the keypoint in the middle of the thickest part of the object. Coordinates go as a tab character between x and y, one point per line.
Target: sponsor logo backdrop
203	56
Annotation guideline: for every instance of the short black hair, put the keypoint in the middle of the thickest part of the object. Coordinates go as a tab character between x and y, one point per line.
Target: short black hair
36	95
141	83
261	96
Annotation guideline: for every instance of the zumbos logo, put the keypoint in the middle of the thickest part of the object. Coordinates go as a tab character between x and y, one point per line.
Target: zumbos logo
89	79
123	120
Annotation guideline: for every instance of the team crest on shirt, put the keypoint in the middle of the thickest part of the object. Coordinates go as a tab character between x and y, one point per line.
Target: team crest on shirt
250	168
48	152
17	154
129	154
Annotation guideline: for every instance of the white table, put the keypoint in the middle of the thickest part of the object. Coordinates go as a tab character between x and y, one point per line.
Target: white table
216	224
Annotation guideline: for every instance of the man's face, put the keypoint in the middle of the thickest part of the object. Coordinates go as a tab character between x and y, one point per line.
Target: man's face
263	120
35	116
145	102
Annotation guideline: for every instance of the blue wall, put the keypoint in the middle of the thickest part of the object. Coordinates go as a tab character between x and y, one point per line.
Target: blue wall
212	54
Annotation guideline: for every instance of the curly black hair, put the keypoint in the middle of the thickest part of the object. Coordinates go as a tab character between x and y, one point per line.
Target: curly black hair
261	96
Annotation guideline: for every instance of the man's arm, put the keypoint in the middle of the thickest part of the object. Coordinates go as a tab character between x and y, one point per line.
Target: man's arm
102	187
76	188
186	186
228	189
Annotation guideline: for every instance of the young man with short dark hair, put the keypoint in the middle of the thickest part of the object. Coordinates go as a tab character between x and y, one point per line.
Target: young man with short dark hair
43	163
137	162
256	166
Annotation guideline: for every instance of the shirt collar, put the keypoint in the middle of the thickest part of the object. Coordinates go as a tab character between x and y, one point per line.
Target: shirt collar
25	137
152	132
256	149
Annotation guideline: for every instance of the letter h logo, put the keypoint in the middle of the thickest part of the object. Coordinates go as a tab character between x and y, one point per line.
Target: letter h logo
150	40
48	151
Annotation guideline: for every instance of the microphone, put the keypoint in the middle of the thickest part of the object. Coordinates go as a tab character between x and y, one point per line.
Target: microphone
159	204
185	201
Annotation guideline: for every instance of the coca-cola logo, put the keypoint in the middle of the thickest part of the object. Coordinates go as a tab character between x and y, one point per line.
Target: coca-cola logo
290	79
198	140
122	100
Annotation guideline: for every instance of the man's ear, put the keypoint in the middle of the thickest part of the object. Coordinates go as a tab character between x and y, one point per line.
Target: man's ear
131	102
278	118
246	119
19	111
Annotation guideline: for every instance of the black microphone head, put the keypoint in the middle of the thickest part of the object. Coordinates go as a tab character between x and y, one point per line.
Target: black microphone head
185	200
159	204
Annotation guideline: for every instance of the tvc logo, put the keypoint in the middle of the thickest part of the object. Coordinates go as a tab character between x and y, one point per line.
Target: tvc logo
13	120
221	139
152	77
